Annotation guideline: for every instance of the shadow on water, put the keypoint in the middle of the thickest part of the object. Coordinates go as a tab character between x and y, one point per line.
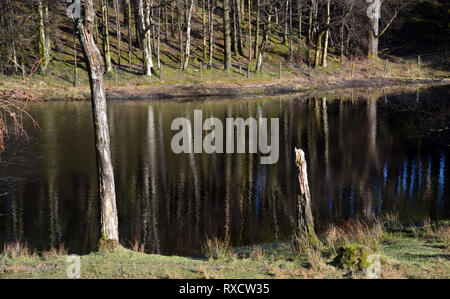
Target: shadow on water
367	153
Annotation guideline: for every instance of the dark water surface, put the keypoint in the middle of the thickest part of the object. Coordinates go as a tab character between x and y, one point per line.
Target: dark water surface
370	154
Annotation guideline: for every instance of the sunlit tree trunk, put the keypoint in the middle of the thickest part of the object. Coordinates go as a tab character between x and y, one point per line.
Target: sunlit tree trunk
106	47
262	47
205	31
258	21
130	37
327	36
188	34
118	31
180	36
42	44
250	30
143	24
227	34
211	5
109	219
374	30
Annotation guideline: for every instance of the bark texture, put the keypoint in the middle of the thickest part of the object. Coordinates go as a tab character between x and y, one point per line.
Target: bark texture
109	219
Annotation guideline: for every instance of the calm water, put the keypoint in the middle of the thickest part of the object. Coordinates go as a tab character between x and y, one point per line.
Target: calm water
366	154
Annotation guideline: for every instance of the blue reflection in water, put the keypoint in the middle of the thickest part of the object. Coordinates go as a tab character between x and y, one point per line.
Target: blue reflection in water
385	173
352	201
405	177
413	178
441	180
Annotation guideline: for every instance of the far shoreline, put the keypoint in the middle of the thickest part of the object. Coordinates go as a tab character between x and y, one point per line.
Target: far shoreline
228	90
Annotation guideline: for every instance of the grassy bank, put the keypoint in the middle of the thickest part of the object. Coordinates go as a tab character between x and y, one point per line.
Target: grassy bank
406	252
198	80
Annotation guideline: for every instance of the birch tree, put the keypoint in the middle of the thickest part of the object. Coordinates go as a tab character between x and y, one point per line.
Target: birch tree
144	31
106	45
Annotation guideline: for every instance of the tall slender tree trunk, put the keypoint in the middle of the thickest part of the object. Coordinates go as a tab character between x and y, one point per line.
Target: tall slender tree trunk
106	46
205	31
158	33
109	219
130	37
374	30
211	5
188	34
227	34
118	30
262	47
12	36
300	19
327	35
286	23
291	30
47	34
239	26
143	24
250	53
180	36
258	21
318	48
42	39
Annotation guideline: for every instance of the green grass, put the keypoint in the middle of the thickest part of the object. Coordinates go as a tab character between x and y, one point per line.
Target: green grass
405	254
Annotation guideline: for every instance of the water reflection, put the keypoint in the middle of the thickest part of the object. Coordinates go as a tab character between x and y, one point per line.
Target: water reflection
362	159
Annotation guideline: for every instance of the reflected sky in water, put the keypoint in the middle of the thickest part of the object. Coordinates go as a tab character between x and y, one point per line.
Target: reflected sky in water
362	159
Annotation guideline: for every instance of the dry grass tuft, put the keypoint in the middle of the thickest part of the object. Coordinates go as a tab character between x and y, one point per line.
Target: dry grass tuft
16	250
315	259
218	249
365	231
258	254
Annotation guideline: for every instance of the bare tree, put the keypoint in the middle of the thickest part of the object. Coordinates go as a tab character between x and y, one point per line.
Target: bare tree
84	26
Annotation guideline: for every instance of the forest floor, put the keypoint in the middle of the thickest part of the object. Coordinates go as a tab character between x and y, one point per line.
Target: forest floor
412	253
199	82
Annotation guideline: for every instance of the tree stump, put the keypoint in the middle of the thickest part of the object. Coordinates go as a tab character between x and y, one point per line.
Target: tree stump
305	221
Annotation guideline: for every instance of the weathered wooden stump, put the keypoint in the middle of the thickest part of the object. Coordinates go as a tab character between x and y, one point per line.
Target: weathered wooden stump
305	221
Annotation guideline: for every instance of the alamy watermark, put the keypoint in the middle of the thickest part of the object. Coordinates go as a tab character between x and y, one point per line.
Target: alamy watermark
74	9
189	139
374	270
374	10
73	267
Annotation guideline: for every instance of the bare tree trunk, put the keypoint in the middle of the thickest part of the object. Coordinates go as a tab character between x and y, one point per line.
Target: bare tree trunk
109	220
188	34
47	34
118	31
42	39
305	222
106	47
258	21
143	24
299	12
211	5
239	27
250	54
227	34
327	35
180	36
262	47
374	30
12	36
158	42
318	49
130	38
205	33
